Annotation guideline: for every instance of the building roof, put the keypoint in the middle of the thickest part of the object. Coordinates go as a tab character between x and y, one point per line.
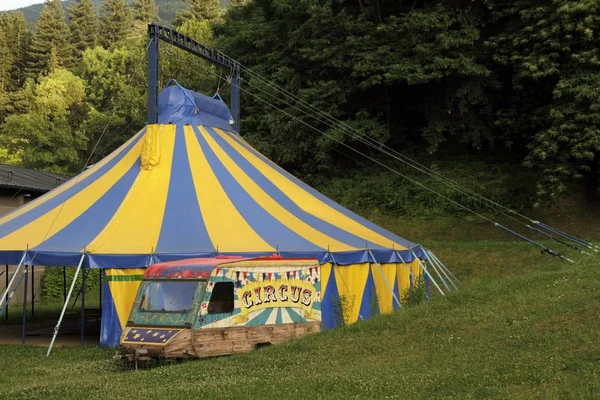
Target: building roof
12	177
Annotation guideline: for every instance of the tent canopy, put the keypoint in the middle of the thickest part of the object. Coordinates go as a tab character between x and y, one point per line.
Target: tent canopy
189	187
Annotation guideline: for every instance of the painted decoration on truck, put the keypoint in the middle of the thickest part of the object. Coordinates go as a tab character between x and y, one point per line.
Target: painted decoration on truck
261	296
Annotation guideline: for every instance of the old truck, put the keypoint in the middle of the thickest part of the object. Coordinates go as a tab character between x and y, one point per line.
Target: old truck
219	306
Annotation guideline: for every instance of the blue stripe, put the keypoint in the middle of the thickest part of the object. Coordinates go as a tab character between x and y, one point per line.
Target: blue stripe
264	224
183	229
36	212
83	229
325	227
328	201
261	318
295	316
369	305
279	318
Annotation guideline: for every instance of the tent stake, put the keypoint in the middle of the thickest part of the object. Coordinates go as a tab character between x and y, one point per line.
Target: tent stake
385	279
62	314
424	268
12	279
24	306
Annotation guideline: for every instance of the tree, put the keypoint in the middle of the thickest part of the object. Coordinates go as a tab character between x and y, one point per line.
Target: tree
47	137
553	51
50	48
117	23
5	67
83	22
209	10
145	11
17	40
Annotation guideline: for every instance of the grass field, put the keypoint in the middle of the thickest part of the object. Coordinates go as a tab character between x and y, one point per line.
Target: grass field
522	326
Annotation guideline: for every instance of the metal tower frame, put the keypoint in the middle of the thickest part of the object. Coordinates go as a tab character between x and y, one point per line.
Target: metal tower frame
184	42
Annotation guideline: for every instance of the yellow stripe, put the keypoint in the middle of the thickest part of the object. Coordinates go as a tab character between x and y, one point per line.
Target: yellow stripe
135	227
273	207
403	278
325	272
55	220
226	227
124	292
60	189
384	292
351	281
307	201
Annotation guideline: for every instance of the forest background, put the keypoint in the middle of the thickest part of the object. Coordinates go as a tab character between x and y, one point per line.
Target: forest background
500	95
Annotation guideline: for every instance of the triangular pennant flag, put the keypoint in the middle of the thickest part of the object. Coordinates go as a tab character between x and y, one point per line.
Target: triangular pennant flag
217	271
237	276
245	274
269	275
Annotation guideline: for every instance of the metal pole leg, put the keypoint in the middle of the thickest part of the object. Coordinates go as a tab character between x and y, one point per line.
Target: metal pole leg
84	278
62	314
24	306
4	296
6	316
32	292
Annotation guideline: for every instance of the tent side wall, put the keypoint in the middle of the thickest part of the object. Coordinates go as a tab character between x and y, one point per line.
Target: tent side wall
349	293
120	289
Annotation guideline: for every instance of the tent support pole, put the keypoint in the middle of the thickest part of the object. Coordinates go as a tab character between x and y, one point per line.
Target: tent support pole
6	315
434	260
412	276
64	283
83	279
24	305
100	291
32	291
444	267
4	296
424	268
62	314
385	279
434	267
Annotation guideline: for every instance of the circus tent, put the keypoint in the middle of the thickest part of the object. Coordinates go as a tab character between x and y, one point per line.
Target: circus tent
190	186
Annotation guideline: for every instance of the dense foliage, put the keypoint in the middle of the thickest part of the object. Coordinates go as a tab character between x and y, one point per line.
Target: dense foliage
514	83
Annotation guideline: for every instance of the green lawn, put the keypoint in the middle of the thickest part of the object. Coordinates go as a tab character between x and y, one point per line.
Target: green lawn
523	326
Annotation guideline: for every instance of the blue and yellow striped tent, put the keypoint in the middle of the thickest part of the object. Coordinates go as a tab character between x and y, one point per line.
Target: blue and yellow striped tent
189	186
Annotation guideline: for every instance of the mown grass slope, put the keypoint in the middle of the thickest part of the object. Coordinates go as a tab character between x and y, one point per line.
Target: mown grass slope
523	326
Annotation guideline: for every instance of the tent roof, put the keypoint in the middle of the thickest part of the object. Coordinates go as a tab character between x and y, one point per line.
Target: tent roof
189	187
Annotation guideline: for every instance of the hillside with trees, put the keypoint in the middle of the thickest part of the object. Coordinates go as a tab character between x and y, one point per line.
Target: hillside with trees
503	96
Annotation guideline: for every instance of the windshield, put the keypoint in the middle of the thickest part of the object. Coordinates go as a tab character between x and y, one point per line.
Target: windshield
169	296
